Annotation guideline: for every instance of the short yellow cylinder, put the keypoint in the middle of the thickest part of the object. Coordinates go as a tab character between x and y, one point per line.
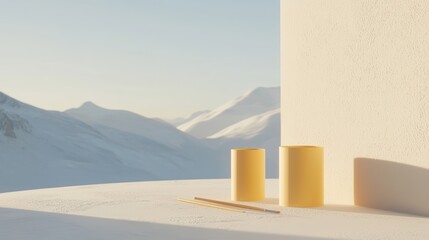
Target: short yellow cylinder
247	174
301	176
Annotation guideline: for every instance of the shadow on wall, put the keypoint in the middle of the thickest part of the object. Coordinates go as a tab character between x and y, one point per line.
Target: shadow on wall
391	186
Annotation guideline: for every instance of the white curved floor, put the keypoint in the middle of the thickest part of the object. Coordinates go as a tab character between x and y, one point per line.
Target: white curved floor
149	210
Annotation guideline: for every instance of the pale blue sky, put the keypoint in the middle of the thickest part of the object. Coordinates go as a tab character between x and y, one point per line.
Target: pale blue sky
160	58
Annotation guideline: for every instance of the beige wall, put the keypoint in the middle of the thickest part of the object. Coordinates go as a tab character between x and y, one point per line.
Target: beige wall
355	79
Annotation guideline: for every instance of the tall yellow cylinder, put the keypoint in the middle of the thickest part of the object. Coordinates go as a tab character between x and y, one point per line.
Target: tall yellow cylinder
301	176
247	174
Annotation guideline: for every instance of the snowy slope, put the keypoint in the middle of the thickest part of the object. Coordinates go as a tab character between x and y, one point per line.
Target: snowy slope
252	103
260	131
179	121
41	148
259	126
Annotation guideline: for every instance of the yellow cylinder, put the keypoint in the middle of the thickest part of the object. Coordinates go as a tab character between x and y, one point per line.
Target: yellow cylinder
301	176
247	174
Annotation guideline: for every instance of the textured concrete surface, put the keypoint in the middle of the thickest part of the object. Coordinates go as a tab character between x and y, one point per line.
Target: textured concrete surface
355	79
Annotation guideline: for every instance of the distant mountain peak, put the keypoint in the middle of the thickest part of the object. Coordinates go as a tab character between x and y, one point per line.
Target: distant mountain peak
89	104
259	89
5	100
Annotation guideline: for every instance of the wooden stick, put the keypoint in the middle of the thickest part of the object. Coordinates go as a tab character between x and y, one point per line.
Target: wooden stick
237	205
210	205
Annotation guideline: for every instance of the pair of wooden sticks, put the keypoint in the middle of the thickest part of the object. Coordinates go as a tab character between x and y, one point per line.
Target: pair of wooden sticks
227	204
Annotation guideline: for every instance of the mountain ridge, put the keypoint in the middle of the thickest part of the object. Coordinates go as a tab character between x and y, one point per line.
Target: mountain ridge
251	103
62	151
91	144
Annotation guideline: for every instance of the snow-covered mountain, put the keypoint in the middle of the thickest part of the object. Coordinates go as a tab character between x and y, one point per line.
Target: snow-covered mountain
115	123
131	123
179	121
257	101
91	144
40	148
263	125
